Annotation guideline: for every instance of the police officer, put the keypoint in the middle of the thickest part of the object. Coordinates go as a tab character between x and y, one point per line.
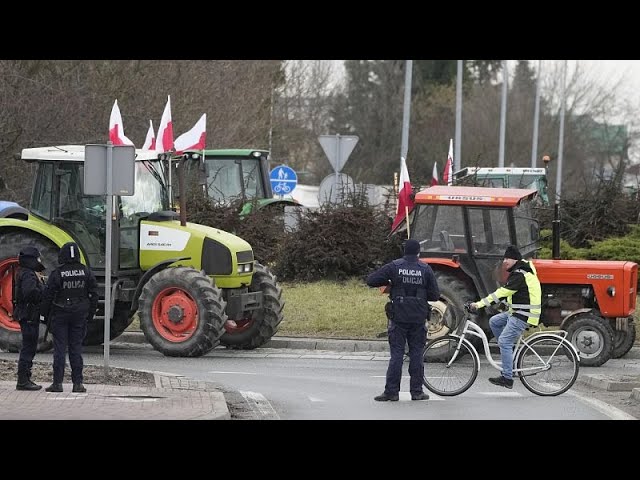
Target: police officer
412	284
69	302
28	293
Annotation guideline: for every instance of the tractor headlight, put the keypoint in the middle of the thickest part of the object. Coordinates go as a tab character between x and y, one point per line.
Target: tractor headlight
245	268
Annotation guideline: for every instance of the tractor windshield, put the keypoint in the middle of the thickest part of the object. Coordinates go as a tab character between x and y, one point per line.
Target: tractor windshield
527	230
232	178
151	194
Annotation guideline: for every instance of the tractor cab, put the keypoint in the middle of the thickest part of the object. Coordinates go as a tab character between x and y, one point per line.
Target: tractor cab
58	198
225	175
472	226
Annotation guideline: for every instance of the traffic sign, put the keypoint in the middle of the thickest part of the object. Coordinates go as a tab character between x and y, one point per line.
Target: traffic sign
121	170
283	180
337	148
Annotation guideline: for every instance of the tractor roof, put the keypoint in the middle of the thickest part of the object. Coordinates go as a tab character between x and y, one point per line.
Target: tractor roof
500	171
481	196
71	153
231	152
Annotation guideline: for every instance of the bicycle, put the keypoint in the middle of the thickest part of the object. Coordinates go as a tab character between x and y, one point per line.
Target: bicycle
282	188
546	363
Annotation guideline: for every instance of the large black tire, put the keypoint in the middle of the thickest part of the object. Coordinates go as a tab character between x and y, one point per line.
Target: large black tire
182	312
11	242
623	340
120	320
592	336
258	326
448	312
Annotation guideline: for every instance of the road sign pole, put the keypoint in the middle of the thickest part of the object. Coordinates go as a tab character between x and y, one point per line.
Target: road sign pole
107	260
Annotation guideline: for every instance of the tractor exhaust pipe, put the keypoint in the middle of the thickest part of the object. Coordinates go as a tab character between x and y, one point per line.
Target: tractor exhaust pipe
555	235
183	196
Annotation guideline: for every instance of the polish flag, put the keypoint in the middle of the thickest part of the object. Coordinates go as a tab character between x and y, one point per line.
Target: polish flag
116	129
195	138
434	175
150	141
164	141
447	177
404	195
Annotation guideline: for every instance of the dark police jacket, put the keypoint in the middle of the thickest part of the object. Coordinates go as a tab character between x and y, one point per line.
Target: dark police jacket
29	290
71	288
412	285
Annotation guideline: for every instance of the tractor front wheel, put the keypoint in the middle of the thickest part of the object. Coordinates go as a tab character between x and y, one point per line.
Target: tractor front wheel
182	312
624	339
592	336
256	327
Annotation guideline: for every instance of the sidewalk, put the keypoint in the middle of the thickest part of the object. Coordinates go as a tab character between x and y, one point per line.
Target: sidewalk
173	398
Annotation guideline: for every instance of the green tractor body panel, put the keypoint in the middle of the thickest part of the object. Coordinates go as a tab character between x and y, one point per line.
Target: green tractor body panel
162	240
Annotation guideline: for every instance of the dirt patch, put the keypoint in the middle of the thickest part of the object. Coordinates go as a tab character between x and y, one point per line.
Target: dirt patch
42	373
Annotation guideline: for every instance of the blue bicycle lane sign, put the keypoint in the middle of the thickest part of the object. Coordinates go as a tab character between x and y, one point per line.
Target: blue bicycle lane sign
283	180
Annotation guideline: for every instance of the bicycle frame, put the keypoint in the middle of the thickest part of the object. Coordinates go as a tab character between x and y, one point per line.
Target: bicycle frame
522	344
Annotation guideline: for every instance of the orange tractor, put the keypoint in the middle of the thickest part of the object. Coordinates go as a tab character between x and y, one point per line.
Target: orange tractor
464	231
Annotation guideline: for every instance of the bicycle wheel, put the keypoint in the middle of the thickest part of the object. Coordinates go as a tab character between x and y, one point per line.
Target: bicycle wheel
446	379
556	361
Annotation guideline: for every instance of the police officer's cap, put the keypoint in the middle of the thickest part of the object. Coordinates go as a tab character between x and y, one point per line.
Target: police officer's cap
31	251
411	247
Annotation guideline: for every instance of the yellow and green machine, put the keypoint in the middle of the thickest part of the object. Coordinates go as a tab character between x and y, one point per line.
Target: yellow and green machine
193	287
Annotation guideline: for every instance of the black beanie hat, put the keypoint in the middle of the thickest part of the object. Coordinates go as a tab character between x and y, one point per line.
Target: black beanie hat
512	252
412	247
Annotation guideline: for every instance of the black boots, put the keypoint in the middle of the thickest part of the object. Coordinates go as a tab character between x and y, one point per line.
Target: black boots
25	383
54	387
78	388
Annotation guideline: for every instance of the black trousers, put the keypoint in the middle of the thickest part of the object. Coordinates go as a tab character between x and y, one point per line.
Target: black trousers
30	332
69	330
415	335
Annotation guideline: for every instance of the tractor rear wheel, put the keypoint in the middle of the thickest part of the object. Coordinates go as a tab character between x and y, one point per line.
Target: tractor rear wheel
256	327
10	245
592	336
624	340
182	312
447	313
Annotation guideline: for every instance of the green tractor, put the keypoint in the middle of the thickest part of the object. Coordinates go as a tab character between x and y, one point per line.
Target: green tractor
228	174
184	280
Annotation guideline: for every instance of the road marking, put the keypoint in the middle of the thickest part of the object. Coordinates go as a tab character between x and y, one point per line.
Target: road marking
233	373
314	399
259	403
500	394
609	410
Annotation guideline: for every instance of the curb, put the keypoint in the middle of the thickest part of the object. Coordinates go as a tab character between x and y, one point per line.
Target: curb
333	344
610	383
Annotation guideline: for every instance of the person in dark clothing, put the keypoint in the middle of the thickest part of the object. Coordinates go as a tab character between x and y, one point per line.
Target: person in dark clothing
69	302
28	292
412	283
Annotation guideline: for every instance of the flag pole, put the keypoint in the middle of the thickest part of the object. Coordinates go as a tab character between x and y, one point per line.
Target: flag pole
406	212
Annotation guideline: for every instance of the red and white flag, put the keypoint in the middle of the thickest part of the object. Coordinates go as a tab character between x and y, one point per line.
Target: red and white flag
195	138
150	141
116	129
164	141
434	175
404	195
447	177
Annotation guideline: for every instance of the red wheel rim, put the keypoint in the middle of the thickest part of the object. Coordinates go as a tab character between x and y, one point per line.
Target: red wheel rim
175	314
8	269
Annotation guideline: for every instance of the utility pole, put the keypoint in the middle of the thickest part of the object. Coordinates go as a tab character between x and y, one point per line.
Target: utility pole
561	140
536	119
503	112
406	113
458	146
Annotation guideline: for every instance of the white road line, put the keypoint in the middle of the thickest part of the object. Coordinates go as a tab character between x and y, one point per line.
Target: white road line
314	399
233	373
259	403
500	394
609	410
